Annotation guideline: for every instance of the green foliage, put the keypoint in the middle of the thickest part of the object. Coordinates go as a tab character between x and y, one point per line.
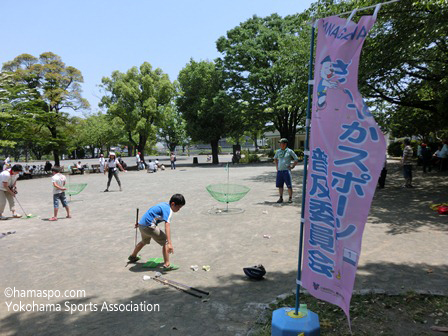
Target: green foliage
97	131
271	153
204	104
265	67
173	128
138	97
299	153
248	157
395	149
40	89
409	73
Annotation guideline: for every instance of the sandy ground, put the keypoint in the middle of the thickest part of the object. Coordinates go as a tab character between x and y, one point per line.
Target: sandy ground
404	247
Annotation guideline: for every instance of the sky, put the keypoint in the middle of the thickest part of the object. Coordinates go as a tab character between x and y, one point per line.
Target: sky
98	36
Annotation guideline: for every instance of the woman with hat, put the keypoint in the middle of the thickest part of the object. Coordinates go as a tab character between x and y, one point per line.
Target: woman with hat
112	165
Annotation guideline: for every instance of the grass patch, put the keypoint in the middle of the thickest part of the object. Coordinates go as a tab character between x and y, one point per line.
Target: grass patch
375	314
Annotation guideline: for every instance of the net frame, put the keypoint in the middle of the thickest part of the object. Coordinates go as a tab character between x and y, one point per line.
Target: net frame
226	192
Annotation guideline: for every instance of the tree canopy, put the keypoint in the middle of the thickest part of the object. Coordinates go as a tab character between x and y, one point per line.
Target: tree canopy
204	103
138	98
43	88
404	63
265	66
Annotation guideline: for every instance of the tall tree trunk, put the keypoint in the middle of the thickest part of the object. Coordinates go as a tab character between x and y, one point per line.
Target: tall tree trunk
255	139
142	144
214	144
132	144
54	135
56	156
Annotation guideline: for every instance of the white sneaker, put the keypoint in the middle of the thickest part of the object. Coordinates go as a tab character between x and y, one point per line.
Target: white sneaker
3	218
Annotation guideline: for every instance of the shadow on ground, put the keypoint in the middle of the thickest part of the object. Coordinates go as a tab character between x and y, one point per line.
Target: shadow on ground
404	210
232	308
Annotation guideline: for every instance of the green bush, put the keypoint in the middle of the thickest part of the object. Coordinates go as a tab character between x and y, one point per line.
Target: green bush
414	145
299	153
395	149
247	157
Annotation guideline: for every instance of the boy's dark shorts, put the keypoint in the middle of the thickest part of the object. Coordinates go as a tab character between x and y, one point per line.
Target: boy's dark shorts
61	197
152	232
407	171
283	176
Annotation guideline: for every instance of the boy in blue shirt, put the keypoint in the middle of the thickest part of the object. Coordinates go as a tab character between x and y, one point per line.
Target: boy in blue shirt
148	226
282	159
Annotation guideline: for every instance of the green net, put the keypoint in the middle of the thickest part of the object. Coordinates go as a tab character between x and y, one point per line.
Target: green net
227	193
75	188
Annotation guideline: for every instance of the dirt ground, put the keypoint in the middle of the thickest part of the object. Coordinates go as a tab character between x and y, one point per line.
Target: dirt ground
404	248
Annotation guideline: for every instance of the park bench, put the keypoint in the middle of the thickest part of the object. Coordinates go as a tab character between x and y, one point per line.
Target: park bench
95	168
74	170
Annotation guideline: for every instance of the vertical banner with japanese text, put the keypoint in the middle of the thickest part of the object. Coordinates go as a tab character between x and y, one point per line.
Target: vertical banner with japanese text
347	153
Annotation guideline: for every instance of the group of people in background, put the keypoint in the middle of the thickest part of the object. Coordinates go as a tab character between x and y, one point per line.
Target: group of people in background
153	166
427	159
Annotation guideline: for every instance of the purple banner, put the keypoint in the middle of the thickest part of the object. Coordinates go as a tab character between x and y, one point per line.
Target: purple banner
347	153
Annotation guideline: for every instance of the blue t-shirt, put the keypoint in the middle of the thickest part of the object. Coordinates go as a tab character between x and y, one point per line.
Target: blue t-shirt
285	157
158	213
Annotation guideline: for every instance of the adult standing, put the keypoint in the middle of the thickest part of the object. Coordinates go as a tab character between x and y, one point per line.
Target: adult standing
406	161
102	161
173	160
383	175
282	160
138	160
425	155
8	179
112	165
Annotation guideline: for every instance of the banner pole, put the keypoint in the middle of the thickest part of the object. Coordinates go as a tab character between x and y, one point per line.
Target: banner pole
305	165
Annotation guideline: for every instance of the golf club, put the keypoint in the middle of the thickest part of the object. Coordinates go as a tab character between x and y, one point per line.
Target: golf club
159	275
165	282
136	223
26	214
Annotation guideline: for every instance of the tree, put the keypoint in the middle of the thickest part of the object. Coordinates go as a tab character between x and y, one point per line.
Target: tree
52	87
204	104
98	131
8	128
173	128
138	98
405	62
265	65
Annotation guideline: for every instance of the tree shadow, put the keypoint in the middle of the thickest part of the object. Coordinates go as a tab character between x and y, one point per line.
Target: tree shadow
403	210
406	210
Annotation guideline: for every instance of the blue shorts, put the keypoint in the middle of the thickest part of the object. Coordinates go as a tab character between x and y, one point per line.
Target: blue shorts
283	177
60	196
